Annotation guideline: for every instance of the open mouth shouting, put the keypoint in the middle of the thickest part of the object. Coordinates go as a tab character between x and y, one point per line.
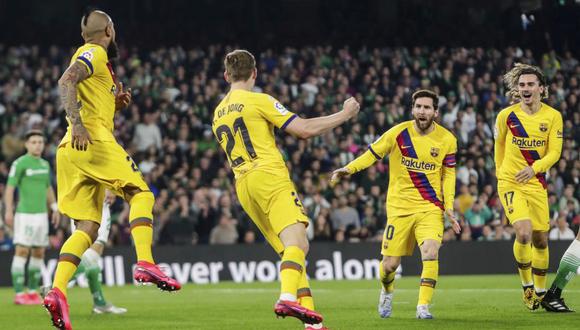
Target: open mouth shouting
526	96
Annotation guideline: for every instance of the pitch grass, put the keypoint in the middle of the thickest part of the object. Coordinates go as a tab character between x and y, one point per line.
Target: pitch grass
461	302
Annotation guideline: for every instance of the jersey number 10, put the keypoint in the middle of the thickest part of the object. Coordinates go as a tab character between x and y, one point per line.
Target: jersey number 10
239	126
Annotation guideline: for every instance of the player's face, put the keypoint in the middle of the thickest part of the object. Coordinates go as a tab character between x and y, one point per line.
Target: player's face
35	145
424	112
530	89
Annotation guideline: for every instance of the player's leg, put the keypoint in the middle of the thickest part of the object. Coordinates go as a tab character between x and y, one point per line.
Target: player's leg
39	224
517	212
80	198
92	259
112	167
34	274
397	242
387	272
429	232
540	214
553	301
540	262
17	270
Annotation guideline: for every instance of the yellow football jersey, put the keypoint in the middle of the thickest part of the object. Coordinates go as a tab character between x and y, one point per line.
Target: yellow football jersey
243	124
96	93
421	168
524	140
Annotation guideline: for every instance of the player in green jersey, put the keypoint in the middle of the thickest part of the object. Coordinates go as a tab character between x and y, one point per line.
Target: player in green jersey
30	177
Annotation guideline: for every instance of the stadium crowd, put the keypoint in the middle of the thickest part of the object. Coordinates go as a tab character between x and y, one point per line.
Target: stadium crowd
167	130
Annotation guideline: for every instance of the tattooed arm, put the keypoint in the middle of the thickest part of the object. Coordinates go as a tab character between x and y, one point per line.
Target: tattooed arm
67	87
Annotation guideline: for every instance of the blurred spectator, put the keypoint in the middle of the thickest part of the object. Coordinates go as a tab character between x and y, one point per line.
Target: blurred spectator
562	230
477	217
225	232
167	129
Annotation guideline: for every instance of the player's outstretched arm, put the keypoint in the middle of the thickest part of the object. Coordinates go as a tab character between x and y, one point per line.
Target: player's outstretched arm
358	164
67	87
307	128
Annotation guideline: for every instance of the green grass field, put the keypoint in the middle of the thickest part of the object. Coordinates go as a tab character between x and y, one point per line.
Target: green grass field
461	302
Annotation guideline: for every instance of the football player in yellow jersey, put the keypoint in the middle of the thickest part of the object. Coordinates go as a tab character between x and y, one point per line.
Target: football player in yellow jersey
243	124
421	188
89	160
528	141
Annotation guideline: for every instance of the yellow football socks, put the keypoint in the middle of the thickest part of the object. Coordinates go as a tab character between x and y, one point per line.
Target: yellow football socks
540	261
428	281
523	255
303	293
291	270
141	222
69	258
387	279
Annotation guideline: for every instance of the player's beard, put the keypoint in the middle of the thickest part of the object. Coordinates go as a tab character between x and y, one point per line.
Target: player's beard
113	50
424	125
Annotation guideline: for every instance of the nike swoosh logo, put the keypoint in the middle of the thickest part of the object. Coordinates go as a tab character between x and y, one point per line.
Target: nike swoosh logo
405	147
514	126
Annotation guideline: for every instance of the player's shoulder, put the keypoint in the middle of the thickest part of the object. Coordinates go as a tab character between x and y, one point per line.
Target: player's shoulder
550	111
445	133
21	160
400	127
507	110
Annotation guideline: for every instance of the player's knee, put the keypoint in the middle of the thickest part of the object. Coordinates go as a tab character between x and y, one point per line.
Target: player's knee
390	265
21	251
523	236
38	253
90	228
540	242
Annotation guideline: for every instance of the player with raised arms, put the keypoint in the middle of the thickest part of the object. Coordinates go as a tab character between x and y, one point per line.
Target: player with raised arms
528	141
243	124
421	189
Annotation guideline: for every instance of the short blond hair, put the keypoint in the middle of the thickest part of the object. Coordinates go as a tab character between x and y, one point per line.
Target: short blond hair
239	65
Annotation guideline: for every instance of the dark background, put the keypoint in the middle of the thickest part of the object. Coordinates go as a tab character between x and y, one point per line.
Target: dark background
258	24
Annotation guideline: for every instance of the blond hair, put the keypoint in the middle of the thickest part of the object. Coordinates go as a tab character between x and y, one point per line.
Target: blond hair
239	65
511	79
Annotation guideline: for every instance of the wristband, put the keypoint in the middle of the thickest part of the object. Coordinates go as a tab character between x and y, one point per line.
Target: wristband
54	207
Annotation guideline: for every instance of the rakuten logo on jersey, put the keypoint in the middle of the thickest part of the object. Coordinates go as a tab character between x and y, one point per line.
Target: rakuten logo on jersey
415	164
527	143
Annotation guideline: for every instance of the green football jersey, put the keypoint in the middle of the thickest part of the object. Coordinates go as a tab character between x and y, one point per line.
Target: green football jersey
31	176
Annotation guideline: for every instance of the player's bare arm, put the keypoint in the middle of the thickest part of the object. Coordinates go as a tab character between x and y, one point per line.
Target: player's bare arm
67	87
9	205
51	199
307	128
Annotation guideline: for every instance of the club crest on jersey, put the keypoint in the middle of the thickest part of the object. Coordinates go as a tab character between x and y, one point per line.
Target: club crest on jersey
434	151
543	127
88	54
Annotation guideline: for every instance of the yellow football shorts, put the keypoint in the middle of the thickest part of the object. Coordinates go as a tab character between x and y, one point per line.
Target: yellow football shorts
271	202
402	232
83	176
525	202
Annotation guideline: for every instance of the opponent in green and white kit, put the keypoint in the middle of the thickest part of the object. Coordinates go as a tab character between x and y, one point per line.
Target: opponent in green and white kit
30	177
